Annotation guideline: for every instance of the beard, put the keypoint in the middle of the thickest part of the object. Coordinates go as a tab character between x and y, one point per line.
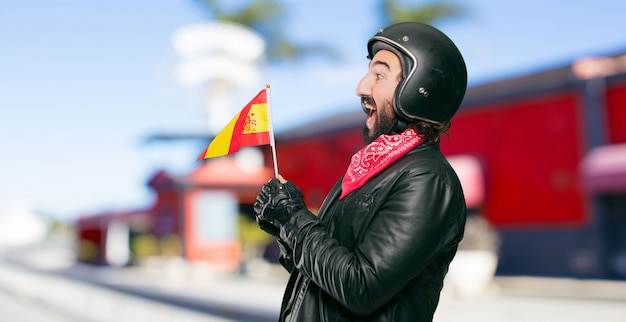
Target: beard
383	125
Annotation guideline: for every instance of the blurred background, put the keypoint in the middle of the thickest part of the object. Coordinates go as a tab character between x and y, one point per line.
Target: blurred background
105	106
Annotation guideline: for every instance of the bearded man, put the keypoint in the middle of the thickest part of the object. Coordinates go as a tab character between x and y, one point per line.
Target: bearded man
383	239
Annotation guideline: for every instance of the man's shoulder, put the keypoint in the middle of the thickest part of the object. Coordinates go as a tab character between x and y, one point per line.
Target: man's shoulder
423	155
426	158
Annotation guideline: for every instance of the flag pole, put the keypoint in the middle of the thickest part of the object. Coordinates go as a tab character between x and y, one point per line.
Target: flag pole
272	142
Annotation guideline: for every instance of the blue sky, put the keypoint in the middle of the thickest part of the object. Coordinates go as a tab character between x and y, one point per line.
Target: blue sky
83	83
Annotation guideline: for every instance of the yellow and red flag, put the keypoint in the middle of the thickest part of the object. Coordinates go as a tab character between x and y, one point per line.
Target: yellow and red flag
250	127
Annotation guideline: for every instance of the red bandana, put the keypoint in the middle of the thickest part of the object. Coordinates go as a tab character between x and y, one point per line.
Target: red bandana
375	157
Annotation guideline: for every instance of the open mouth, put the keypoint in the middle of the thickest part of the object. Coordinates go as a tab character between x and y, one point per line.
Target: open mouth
369	107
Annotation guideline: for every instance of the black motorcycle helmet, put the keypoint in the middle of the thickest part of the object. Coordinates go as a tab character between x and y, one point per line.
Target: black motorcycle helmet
434	76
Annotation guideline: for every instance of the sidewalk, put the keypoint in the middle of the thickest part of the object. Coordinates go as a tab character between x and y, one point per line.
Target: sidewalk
561	288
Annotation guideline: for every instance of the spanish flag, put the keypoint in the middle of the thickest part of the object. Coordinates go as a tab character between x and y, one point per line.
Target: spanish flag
250	127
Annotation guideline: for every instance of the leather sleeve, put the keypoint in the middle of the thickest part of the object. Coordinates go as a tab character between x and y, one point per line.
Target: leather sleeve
285	255
417	223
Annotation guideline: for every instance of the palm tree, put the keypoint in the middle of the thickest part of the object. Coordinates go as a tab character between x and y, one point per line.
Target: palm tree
265	17
394	11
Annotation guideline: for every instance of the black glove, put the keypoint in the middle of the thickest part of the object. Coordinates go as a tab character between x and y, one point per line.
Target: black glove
267	226
277	202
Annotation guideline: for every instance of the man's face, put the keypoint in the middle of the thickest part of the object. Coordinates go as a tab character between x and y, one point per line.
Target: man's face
376	90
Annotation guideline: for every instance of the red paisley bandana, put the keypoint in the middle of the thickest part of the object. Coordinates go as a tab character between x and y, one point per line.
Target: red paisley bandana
375	157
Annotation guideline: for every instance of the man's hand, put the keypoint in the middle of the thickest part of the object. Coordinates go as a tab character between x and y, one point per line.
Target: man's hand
277	202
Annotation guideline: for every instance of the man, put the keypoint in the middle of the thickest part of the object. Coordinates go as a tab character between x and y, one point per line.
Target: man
380	246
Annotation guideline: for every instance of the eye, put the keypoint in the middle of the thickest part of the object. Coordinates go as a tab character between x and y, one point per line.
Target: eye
380	76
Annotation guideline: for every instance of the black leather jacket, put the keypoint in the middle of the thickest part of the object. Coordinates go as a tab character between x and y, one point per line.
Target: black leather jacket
382	252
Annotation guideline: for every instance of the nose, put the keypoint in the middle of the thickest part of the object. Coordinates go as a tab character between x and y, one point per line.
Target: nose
364	88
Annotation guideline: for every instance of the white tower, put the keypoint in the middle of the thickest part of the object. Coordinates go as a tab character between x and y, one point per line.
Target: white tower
222	57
